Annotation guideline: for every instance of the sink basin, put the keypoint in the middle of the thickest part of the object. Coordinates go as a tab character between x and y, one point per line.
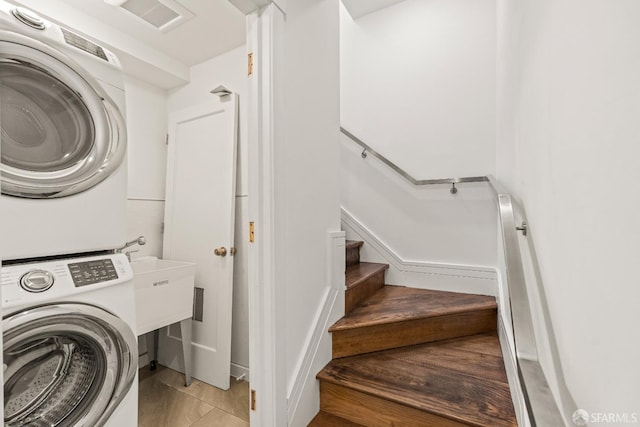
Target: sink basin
163	291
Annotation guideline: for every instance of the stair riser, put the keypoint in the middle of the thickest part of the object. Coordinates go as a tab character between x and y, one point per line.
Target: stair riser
418	331
372	411
353	252
353	256
355	295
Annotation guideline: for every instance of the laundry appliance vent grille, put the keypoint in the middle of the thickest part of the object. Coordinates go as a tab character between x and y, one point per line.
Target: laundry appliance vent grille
162	14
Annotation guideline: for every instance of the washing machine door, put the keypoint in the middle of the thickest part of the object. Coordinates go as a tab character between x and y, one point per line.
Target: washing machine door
61	133
65	365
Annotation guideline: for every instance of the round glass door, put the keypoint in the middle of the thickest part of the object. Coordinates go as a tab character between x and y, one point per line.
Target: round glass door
61	134
65	364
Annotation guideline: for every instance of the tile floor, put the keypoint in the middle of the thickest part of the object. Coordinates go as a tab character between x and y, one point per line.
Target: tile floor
164	401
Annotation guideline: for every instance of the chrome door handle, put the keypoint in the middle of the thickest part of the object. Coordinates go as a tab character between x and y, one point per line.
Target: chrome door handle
221	251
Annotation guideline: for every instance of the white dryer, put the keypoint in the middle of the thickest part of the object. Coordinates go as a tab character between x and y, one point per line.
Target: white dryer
70	350
63	136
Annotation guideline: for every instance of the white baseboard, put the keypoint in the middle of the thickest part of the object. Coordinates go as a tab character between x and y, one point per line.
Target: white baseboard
471	279
303	397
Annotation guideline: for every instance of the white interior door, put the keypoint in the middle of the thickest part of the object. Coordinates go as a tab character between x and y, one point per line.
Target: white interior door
199	219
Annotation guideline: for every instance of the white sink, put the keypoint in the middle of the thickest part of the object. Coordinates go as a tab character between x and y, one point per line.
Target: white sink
164	292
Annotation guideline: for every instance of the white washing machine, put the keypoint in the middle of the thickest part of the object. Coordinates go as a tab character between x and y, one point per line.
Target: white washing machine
63	170
70	350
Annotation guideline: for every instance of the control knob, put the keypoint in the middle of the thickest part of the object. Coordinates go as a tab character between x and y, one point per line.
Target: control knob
36	281
29	18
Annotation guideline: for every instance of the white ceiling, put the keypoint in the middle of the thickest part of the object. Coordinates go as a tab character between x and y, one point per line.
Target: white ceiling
160	58
216	28
164	59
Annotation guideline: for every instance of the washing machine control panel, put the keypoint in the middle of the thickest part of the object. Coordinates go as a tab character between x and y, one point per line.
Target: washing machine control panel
90	272
42	281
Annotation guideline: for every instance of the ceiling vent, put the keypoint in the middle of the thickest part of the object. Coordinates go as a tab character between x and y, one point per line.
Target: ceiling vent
164	15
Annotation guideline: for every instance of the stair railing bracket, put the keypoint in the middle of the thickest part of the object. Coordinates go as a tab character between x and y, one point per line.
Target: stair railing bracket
523	227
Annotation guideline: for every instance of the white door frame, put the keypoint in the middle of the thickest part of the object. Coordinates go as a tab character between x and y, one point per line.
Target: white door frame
266	322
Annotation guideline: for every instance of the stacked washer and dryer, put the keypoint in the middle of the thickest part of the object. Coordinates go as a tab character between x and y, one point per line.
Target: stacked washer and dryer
68	313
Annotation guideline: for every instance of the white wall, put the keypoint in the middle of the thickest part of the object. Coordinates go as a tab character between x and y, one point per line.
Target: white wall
418	85
424	223
569	102
147	158
306	179
146	163
230	70
146	131
307	163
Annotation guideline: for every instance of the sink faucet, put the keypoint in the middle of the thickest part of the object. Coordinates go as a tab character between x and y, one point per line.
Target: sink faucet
139	241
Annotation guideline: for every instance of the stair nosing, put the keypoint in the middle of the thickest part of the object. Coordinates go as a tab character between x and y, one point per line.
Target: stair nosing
353	243
381	267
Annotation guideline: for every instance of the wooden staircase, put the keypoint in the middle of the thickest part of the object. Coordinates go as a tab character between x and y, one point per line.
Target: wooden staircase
412	357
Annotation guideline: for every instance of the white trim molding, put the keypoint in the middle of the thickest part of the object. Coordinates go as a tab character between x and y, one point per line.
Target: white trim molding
303	395
481	280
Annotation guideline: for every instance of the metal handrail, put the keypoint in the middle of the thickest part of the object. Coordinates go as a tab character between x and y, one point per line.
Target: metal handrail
539	400
368	150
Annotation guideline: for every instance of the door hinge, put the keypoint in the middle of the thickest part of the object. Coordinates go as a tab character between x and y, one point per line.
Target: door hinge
250	64
253	400
252	232
166	139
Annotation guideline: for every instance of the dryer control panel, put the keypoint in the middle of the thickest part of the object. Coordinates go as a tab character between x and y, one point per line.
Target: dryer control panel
90	272
33	282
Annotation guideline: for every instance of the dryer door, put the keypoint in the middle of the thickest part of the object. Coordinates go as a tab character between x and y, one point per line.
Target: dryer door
65	364
61	133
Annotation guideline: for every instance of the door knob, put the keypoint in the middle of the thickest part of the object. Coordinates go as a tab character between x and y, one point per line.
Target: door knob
221	251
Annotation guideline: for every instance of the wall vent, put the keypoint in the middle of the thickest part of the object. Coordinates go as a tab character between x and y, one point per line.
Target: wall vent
163	15
198	304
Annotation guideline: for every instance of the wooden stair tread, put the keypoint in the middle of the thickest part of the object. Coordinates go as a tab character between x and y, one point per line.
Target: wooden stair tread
462	379
358	273
325	419
352	244
397	303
